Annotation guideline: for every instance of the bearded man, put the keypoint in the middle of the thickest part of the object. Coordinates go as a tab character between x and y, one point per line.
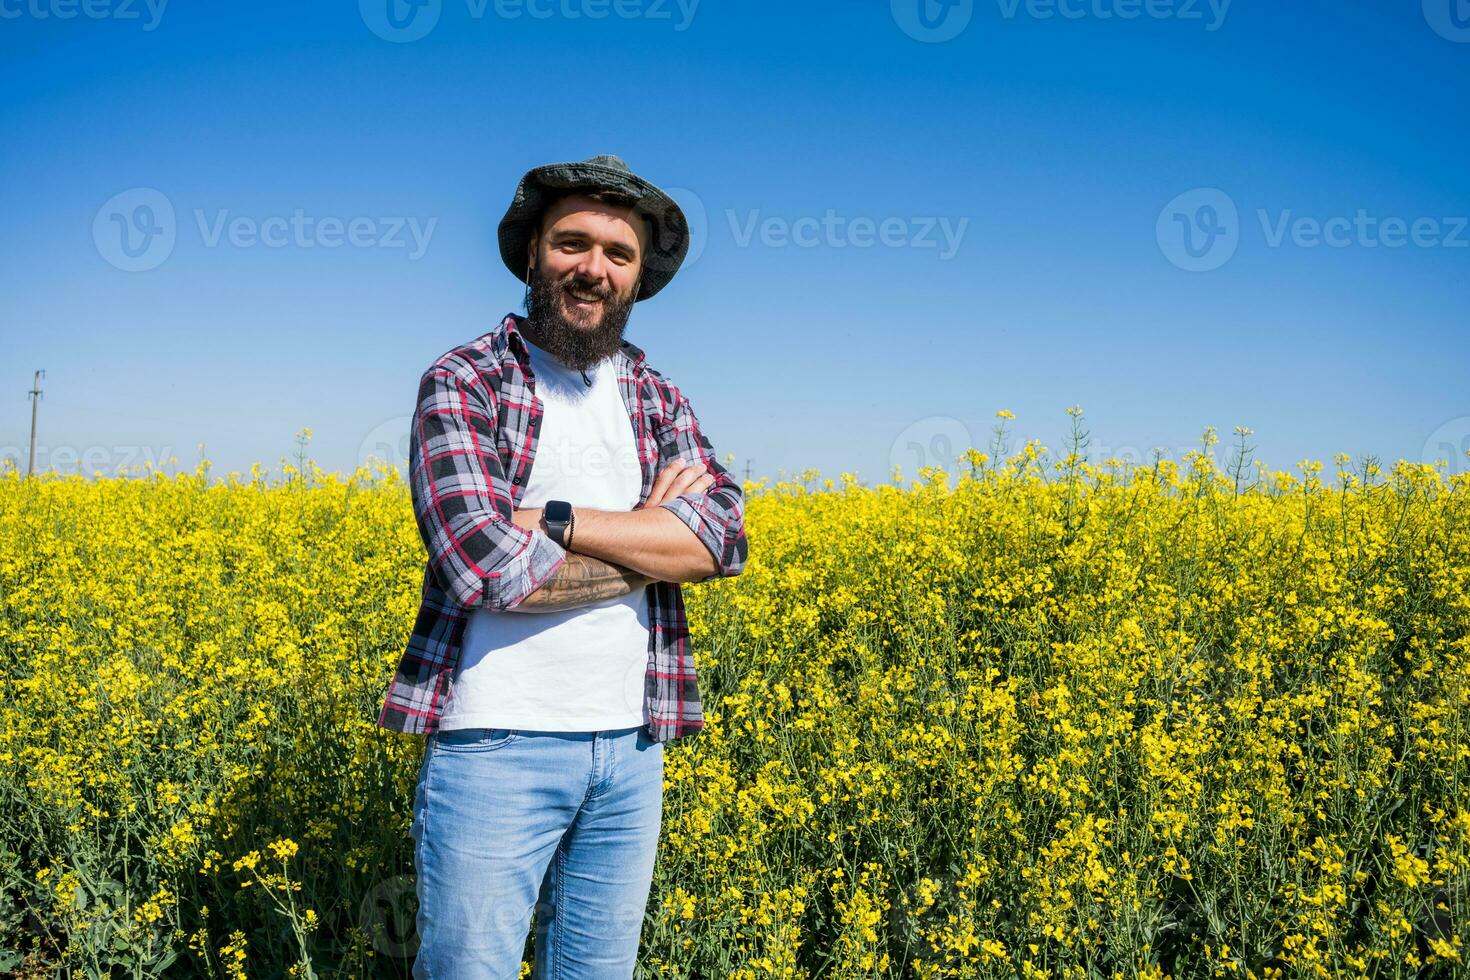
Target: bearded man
565	493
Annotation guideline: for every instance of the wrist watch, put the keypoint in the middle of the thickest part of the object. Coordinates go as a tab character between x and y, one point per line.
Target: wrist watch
558	514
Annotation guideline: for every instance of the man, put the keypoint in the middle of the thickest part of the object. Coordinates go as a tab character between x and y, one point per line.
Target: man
549	662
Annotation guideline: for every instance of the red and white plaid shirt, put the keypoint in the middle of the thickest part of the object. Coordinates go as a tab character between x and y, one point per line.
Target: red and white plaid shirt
471	449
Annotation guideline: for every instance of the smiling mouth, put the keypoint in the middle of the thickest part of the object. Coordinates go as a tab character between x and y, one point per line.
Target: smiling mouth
580	299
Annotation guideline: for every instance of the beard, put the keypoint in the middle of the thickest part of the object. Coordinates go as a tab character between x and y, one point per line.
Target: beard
566	337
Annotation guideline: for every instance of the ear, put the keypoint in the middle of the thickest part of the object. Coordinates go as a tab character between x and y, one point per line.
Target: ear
531	252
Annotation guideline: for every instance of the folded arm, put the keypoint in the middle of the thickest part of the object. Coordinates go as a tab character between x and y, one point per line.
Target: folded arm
691	527
652	539
461	496
489	555
647	545
581	580
714	511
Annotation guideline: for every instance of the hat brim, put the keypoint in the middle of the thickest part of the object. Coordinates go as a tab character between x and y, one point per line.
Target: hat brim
668	228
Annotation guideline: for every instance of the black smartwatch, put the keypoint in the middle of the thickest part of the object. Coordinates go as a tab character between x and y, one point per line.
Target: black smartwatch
558	514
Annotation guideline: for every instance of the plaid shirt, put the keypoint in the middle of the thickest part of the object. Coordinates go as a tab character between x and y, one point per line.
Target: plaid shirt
470	453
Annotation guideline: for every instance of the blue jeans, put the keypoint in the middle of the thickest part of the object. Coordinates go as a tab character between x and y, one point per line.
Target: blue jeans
507	822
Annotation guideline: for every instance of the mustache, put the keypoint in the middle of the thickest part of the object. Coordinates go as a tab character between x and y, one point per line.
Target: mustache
585	287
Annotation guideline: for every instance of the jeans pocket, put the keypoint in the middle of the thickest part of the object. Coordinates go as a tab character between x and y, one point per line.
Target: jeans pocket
474	739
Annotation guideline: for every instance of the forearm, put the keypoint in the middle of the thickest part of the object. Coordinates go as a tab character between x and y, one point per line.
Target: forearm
651	540
582	580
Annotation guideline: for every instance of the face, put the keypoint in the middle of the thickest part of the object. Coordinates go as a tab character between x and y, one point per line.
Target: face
594	250
585	263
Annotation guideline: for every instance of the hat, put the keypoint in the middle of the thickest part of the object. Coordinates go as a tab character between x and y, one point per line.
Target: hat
669	231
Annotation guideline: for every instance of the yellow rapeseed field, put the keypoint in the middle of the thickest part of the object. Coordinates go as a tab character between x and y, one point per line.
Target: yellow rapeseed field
1027	717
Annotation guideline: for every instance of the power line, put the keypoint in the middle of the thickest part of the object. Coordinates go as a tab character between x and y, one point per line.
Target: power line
35	395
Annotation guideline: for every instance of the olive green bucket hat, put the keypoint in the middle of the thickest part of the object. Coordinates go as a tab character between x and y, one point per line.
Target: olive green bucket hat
668	229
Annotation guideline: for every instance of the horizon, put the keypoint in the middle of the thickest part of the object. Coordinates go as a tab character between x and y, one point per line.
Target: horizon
229	224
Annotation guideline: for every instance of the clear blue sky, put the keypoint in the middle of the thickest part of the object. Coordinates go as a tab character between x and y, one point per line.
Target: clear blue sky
1051	140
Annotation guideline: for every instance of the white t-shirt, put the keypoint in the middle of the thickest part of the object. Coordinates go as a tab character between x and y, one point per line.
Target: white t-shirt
577	669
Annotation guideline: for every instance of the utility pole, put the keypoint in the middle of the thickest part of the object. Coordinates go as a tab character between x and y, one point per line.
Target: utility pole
747	469
35	394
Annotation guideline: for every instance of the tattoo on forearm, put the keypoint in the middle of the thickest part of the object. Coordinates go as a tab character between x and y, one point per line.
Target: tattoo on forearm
581	580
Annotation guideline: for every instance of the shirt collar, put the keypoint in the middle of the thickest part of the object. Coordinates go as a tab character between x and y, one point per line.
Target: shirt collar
516	343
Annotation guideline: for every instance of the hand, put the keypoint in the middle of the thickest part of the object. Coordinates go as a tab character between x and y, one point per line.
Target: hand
528	518
678	477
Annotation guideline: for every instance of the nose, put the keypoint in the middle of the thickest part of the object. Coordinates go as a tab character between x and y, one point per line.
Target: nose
593	267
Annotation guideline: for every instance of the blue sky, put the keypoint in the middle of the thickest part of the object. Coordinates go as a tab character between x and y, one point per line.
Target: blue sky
1172	213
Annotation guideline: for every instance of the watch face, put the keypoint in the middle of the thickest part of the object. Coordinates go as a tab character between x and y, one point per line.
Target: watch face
559	511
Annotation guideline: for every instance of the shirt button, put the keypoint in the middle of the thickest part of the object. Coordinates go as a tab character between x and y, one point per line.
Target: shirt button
517	480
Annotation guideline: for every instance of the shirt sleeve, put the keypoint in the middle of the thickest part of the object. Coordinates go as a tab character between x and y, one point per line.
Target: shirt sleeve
717	515
461	497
